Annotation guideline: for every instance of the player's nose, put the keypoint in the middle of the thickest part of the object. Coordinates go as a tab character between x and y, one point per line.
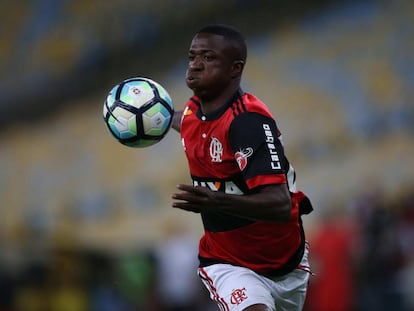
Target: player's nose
195	64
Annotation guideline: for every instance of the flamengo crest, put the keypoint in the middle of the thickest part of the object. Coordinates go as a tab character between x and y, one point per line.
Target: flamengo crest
216	150
238	296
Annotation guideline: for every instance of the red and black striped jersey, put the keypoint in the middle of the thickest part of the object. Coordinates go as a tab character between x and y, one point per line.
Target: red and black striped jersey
236	150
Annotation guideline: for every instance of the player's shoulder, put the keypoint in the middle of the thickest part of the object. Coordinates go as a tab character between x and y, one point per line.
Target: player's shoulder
251	113
193	102
248	106
191	106
253	104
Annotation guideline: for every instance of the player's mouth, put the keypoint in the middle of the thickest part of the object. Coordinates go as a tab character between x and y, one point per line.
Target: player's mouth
191	80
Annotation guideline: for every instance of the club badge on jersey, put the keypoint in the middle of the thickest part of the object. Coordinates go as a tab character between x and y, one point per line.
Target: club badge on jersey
216	150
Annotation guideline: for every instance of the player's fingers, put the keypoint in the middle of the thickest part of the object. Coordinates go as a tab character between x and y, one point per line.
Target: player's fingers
184	187
187	207
189	198
192	189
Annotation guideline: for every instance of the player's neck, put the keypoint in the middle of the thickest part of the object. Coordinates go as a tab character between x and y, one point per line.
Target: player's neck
210	105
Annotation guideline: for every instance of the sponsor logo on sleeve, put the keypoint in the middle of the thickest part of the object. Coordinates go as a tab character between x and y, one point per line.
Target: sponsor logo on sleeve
241	157
270	140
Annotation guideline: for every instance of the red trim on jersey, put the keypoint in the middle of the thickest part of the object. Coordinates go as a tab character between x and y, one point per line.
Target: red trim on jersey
294	213
266	180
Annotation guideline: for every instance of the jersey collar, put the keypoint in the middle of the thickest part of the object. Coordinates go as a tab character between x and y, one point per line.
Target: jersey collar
219	112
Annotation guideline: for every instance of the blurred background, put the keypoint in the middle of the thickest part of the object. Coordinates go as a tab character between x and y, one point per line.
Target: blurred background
86	223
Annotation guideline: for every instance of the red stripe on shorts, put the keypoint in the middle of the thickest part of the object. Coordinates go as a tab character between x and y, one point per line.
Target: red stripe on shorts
212	289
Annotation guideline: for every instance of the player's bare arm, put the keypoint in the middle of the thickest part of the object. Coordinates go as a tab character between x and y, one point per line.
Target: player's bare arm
176	121
271	203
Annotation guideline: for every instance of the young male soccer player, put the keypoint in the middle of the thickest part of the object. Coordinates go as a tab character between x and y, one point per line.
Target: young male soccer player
253	254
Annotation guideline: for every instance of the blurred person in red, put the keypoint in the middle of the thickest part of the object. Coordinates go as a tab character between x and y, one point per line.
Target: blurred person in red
332	287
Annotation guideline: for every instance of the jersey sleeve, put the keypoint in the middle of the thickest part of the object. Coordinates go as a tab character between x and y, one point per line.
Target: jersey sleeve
257	149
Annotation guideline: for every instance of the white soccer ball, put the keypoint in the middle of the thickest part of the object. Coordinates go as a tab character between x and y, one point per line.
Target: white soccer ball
138	112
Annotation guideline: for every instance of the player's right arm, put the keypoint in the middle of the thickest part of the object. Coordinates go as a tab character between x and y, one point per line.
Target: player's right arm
176	121
269	203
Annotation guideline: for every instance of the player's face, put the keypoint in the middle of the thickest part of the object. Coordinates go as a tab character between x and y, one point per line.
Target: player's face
210	65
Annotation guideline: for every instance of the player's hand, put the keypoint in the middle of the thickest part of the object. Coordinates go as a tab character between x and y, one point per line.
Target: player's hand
195	199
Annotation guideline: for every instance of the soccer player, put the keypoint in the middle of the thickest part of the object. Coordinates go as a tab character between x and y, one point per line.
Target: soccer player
253	254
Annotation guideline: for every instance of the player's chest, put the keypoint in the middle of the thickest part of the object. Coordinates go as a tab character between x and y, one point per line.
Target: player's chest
207	144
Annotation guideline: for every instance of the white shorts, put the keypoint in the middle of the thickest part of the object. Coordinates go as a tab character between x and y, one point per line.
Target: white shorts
236	288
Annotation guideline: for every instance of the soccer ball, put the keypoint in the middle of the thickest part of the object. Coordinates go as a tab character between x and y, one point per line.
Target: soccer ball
138	112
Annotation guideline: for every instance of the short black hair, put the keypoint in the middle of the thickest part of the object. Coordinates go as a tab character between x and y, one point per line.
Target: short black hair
231	34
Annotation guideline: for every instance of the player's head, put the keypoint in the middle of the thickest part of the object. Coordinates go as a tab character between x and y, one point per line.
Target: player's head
217	56
232	35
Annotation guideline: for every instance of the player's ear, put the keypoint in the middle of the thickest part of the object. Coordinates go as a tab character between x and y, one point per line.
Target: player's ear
237	68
